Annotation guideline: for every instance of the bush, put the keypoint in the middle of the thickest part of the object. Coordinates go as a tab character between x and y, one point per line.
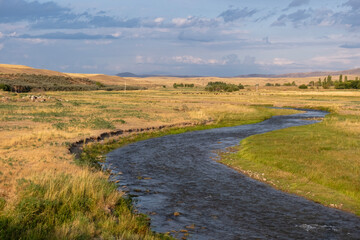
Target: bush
176	85
351	84
222	87
303	86
99	84
5	87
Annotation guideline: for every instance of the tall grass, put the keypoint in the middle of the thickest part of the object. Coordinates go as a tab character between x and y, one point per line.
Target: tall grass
79	206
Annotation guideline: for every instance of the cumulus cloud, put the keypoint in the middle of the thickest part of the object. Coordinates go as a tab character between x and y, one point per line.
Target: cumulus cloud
231	15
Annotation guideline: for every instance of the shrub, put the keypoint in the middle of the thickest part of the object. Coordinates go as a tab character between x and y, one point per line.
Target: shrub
222	87
99	84
303	86
5	87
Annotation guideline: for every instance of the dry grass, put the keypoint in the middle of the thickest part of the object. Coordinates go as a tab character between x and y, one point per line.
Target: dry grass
35	135
13	69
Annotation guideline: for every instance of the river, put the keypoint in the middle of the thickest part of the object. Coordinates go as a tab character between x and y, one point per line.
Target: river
177	181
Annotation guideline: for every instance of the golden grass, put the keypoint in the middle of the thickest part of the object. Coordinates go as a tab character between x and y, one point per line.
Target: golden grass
38	132
14	69
34	136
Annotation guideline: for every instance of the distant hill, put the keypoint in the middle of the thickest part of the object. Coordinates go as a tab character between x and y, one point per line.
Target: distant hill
18	78
286	75
14	69
355	71
129	74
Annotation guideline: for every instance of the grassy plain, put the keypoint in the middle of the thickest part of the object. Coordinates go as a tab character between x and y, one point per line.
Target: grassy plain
43	191
39	180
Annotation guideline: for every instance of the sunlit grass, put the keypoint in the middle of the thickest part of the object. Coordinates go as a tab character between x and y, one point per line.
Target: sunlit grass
83	205
35	136
320	162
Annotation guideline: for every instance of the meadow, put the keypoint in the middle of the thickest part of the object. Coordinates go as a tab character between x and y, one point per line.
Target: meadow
45	192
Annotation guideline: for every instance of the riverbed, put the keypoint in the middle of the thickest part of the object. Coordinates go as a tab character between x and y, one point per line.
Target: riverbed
177	181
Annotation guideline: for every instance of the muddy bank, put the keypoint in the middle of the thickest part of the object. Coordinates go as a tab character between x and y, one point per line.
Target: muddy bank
77	147
175	180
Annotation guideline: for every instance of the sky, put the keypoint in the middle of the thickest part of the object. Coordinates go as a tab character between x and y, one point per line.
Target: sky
181	37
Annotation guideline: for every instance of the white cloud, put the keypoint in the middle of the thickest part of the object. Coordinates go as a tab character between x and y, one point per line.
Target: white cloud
117	34
282	61
1	46
180	22
1	35
159	20
344	58
98	42
194	60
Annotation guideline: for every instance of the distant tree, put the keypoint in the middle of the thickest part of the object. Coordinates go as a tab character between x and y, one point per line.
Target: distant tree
346	78
340	78
303	86
319	83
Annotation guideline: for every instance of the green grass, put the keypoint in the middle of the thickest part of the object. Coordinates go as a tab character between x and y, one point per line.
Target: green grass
79	206
320	162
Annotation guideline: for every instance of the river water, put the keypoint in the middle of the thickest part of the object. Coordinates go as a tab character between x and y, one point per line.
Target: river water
176	181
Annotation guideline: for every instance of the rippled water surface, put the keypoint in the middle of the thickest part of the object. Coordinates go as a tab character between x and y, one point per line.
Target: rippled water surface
177	173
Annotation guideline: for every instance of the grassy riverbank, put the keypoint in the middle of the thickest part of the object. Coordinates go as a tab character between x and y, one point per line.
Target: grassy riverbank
44	194
319	162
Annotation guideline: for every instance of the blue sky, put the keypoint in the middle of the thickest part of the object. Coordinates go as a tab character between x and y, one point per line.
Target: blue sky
186	37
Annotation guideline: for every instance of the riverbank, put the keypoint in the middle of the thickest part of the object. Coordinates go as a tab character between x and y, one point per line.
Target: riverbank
319	162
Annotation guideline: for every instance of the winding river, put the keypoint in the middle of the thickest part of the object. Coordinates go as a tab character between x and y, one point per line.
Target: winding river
176	181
